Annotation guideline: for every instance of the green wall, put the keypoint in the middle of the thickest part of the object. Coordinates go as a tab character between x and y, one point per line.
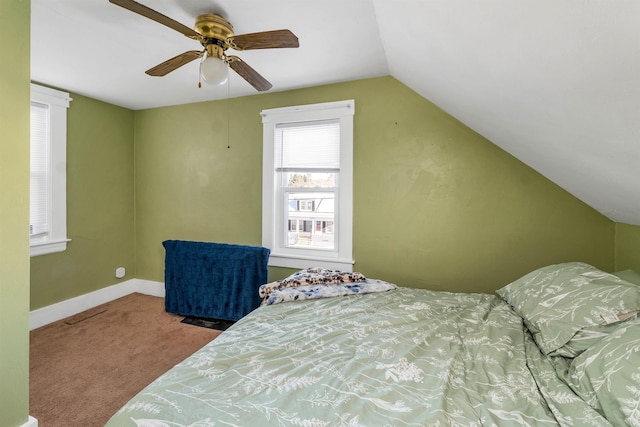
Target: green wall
627	247
14	212
435	204
100	217
190	184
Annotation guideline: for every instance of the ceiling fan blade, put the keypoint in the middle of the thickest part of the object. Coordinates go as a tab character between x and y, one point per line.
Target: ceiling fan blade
143	10
263	40
248	73
176	62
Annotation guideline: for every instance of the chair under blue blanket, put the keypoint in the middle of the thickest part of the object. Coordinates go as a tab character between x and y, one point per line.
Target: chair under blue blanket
213	280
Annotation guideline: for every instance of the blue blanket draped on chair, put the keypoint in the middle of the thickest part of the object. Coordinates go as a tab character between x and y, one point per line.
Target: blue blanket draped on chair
213	280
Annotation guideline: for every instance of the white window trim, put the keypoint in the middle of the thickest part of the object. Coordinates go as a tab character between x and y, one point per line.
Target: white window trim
58	103
280	256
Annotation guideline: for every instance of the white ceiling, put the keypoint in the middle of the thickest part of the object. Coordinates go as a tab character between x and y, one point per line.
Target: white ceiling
556	83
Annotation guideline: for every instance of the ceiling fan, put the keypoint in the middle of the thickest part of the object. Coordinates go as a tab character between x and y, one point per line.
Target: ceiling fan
215	34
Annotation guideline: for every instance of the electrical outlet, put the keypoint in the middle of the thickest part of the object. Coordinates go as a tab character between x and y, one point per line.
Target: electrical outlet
120	272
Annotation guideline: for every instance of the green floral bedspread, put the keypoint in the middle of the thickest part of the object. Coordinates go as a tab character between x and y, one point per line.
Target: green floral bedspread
407	357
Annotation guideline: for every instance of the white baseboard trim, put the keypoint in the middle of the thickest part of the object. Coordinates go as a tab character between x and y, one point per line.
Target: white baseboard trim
31	422
54	312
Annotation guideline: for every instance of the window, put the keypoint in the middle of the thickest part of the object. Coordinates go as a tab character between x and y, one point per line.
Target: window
48	193
308	185
305	205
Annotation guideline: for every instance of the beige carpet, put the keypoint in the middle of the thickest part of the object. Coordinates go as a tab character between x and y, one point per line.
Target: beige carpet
84	368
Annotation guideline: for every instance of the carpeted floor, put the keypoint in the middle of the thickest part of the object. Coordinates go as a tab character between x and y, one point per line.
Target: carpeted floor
84	368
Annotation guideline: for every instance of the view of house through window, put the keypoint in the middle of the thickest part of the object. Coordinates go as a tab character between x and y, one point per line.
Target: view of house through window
313	226
310	214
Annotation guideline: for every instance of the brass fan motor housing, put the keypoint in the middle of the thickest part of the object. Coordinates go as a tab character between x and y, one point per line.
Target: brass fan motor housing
213	26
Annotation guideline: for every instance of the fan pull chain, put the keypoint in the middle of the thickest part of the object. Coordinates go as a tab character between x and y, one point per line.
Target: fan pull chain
228	114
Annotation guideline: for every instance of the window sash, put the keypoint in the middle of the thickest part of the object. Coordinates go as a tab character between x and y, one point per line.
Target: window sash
306	147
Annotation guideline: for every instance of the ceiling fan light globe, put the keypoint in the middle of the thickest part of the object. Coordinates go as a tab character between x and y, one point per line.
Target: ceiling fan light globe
214	71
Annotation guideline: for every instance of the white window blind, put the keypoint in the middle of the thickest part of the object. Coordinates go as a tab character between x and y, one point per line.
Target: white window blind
310	146
40	186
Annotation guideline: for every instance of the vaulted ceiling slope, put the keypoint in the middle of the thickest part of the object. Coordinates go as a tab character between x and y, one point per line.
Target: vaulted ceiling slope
556	83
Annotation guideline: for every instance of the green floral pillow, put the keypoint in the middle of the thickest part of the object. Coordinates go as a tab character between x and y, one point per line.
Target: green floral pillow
563	301
607	375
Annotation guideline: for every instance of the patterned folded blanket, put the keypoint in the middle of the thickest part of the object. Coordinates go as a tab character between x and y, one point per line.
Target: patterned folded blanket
302	292
315	283
311	276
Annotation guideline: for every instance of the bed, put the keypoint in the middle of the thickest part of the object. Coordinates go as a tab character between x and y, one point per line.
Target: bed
560	346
